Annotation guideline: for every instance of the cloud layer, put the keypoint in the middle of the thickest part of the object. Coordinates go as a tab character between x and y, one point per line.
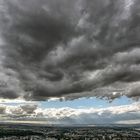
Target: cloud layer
30	113
69	49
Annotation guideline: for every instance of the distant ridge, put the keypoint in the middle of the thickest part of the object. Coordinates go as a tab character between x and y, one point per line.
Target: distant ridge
71	125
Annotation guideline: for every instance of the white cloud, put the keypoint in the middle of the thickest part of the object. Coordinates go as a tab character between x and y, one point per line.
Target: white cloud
137	121
66	115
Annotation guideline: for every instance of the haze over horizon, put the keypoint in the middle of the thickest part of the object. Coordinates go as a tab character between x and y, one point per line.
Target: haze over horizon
70	61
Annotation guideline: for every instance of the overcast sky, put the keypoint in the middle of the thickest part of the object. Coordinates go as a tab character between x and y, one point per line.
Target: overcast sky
69	50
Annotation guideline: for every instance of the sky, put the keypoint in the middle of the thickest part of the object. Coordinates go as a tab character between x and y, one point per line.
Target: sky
70	61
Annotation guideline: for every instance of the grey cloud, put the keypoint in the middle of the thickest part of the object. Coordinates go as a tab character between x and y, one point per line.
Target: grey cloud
134	91
29	109
70	49
20	111
2	109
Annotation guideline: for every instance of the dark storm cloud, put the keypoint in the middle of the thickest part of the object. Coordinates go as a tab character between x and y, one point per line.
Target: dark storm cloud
70	49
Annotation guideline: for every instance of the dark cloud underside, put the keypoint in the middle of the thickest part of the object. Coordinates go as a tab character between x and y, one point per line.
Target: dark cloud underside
71	49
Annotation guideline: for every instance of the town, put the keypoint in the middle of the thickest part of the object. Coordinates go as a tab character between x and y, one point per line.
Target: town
29	132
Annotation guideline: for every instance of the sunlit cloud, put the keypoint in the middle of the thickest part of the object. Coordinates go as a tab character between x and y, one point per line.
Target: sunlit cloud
35	113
